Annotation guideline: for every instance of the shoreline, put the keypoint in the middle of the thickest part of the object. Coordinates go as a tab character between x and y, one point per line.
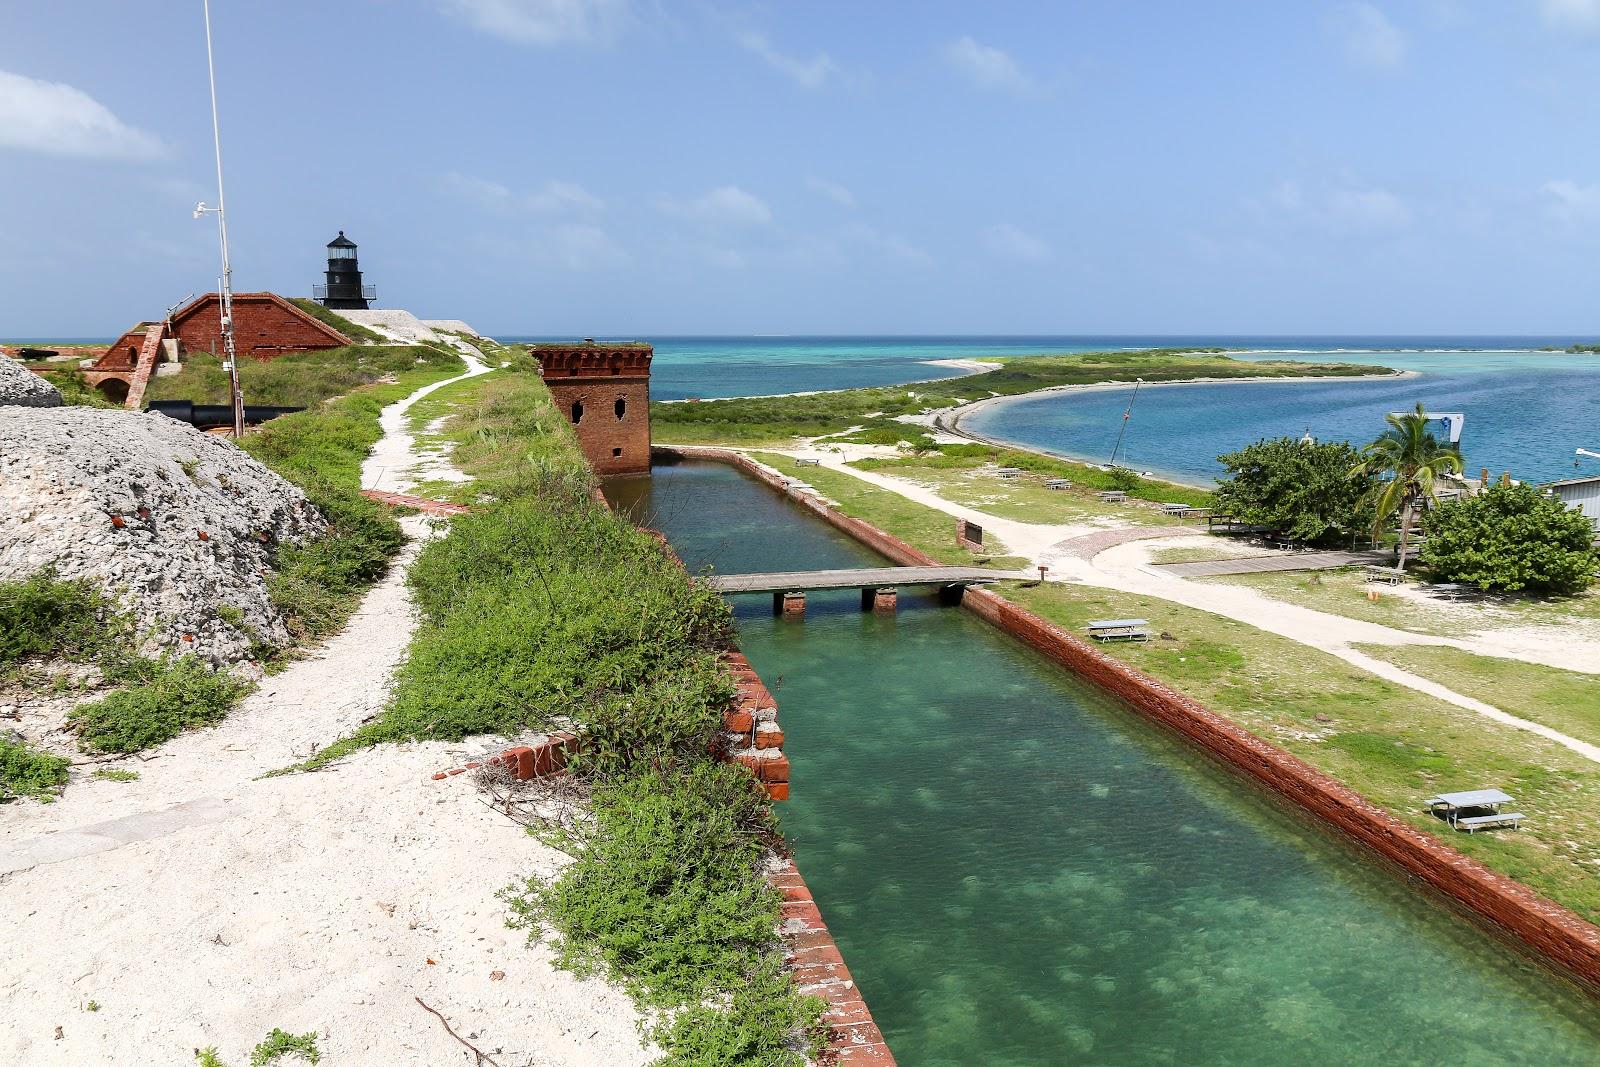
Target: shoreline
968	368
949	420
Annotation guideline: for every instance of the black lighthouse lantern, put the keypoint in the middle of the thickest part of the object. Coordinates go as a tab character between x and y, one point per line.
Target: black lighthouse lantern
344	288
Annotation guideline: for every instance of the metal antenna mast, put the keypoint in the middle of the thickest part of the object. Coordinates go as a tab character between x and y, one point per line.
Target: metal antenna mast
1126	415
229	353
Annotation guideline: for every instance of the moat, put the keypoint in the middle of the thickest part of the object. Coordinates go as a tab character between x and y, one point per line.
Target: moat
1020	871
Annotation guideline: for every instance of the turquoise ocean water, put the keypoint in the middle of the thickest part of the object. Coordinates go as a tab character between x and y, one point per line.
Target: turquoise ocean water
1527	410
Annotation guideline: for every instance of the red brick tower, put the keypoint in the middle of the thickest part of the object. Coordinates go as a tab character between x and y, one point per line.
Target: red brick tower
604	389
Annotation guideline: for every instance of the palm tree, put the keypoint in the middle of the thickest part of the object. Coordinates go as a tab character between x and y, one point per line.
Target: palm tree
1408	459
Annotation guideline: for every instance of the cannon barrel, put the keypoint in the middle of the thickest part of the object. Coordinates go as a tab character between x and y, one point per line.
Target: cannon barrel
206	416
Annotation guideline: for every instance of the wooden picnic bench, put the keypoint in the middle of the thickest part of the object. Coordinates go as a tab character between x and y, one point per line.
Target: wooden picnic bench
1113	496
1057	483
1119	630
1387	575
1007	472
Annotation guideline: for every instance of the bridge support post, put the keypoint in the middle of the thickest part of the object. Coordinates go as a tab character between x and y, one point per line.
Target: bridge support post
882	601
791	605
950	595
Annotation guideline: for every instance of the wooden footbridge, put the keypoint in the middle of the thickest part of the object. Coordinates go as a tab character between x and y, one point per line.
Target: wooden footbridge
878	585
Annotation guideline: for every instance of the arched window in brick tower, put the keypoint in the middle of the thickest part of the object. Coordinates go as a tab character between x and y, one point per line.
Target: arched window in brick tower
621	407
577	411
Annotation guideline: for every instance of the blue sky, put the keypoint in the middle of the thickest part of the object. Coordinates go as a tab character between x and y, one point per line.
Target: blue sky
622	167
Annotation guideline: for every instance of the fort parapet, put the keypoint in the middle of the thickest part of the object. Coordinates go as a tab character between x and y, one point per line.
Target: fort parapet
604	391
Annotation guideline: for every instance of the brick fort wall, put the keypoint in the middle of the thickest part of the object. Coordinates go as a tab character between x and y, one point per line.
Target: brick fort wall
264	326
604	392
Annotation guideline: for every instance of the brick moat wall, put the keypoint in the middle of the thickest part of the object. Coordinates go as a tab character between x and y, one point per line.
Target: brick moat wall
1554	933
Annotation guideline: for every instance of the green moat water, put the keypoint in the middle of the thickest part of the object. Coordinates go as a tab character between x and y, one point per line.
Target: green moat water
1019	871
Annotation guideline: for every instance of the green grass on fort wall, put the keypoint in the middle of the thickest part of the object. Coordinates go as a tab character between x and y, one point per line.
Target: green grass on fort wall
543	609
301	379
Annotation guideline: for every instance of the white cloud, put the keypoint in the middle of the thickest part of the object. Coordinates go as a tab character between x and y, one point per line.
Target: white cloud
889	246
1341	208
553	197
832	190
726	205
1369	209
58	120
1581	16
1008	242
1369	38
811	73
582	247
545	22
1570	202
987	67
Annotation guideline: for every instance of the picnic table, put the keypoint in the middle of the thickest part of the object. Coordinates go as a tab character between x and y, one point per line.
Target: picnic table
1007	472
801	462
1449	590
1182	511
1489	801
1113	496
1057	483
1383	574
1120	629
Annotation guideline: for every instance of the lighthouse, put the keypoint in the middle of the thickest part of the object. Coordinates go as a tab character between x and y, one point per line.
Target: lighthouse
344	289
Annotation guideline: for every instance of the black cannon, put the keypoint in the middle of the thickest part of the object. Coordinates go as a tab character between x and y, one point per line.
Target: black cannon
207	416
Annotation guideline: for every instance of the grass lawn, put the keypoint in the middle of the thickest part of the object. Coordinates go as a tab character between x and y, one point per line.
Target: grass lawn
1391	744
1220	548
1345	592
1569	701
918	525
970	481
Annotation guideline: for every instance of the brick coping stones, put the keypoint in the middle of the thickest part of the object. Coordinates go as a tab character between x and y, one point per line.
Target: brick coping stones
1553	933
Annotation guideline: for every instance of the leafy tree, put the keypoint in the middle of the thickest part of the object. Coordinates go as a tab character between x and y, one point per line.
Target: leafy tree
1408	460
1299	488
1512	537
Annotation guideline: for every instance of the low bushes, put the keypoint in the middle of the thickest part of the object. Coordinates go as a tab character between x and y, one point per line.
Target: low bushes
27	772
1511	538
47	617
166	697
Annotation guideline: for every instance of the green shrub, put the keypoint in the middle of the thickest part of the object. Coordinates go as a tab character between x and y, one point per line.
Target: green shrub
280	1043
27	772
1511	538
1299	488
666	897
167	696
47	617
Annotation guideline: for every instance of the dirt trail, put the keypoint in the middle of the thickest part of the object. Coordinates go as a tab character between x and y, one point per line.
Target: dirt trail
202	905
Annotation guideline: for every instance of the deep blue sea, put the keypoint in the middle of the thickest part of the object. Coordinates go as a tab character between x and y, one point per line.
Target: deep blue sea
1527	410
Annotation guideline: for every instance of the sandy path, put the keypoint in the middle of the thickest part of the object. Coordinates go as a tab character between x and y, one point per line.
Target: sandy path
394	464
201	905
1116	559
